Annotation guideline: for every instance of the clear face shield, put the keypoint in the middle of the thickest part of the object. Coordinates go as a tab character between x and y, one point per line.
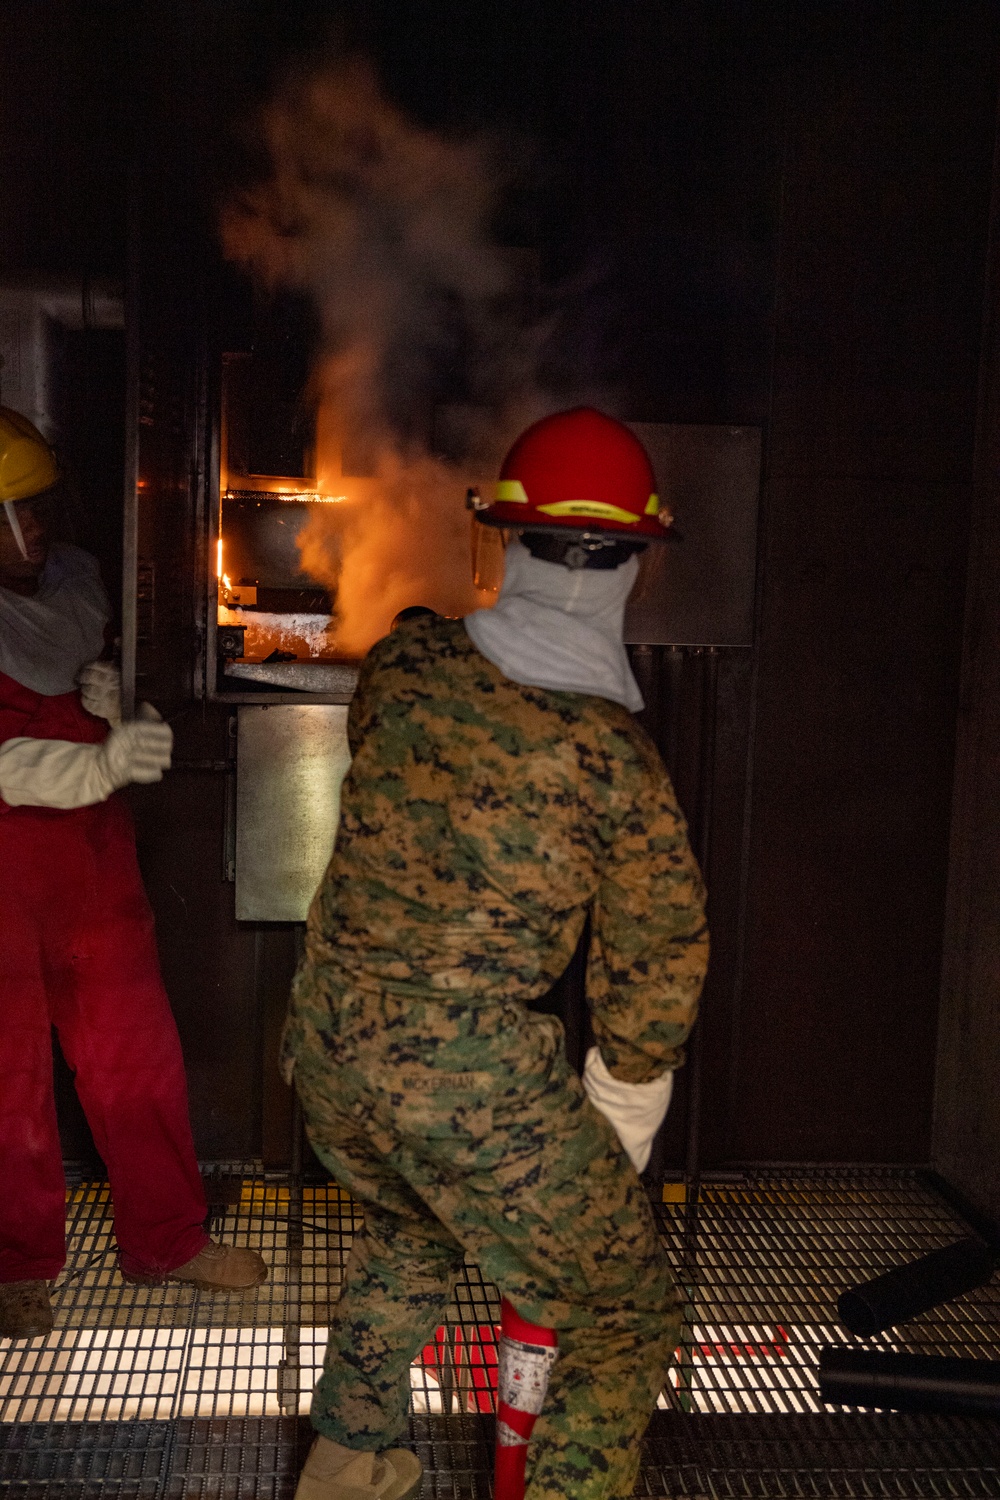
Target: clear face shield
33	521
10	510
488	546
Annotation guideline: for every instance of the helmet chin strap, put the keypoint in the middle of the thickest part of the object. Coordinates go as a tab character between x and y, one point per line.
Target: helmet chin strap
15	527
582	549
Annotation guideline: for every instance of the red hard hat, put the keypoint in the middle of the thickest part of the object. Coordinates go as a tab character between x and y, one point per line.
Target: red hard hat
580	471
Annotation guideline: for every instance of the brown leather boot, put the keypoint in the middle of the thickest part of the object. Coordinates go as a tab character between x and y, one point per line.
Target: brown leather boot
335	1473
25	1310
222	1268
216	1268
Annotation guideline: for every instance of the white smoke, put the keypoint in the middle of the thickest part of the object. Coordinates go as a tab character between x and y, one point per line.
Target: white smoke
387	227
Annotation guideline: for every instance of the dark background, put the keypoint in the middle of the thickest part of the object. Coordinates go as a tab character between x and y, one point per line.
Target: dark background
763	214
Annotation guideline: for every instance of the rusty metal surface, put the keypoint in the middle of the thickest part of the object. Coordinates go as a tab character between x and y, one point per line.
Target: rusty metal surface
326	677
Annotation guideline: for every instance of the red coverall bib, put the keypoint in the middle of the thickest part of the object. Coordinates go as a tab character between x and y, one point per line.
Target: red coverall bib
77	951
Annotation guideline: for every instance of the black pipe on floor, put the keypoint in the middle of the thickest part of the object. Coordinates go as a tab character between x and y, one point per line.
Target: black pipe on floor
910	1382
906	1291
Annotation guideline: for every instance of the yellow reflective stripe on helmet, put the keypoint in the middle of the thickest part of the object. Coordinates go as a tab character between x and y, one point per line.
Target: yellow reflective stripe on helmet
598	508
512	490
652	506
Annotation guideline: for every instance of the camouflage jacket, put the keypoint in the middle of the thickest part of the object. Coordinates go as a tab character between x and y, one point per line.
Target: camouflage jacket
480	822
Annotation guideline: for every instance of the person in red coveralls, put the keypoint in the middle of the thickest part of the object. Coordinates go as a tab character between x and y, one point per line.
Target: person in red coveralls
77	948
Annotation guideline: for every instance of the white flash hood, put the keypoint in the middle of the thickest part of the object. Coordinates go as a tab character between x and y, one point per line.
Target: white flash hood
561	628
46	638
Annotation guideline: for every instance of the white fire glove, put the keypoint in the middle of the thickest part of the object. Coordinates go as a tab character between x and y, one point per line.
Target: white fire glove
61	773
101	691
636	1110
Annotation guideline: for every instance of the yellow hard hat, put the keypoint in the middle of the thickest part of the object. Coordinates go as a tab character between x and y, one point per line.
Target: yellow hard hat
27	463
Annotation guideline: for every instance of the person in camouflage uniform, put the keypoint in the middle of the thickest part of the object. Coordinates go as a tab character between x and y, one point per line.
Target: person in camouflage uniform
482	820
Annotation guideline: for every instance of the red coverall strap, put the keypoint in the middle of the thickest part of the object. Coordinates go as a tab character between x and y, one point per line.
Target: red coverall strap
25	713
60	717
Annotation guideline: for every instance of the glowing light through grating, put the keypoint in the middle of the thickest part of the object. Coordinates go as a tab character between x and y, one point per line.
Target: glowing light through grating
765	1259
297	497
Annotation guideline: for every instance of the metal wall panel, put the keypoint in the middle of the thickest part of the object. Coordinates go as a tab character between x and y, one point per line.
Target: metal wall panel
699	591
290	763
966	1132
868	494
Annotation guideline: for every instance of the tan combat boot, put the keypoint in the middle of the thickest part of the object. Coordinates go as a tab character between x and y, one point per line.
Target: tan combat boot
335	1473
216	1268
222	1268
25	1310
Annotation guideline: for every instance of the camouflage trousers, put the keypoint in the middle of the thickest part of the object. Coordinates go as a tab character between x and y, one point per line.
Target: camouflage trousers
464	1130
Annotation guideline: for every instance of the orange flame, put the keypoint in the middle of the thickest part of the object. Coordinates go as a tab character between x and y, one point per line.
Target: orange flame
400	537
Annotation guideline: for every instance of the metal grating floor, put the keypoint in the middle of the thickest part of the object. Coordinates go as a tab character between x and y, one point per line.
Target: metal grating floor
162	1392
